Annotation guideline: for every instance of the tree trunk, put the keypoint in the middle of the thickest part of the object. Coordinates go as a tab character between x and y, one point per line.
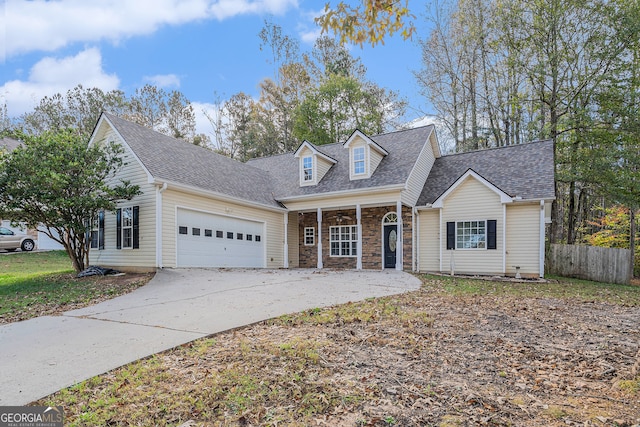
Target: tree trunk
632	243
571	216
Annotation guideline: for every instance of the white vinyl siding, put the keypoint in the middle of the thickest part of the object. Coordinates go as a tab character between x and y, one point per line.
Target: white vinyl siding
323	167
374	160
273	236
471	201
293	240
143	258
523	239
419	174
429	240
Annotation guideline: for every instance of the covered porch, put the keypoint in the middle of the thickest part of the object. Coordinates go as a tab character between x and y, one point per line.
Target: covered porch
356	236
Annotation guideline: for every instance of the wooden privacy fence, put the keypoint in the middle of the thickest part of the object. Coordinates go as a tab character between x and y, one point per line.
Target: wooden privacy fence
606	265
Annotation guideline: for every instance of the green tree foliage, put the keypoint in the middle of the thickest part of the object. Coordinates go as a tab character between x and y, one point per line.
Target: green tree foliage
506	72
368	22
78	109
59	182
611	229
323	97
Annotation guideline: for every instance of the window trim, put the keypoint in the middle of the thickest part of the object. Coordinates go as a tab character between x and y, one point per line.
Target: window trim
97	227
356	161
307	178
490	234
352	242
135	226
124	228
309	232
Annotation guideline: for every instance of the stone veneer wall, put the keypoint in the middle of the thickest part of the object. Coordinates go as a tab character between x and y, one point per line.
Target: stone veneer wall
371	238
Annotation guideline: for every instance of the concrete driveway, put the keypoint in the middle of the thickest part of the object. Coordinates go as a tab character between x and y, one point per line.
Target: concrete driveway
43	355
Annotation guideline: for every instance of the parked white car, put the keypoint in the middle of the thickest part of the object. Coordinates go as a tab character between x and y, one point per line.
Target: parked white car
12	241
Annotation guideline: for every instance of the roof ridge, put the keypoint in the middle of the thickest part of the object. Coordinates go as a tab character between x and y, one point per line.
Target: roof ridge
482	150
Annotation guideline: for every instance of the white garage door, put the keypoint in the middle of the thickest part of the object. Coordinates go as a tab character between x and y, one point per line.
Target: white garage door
207	240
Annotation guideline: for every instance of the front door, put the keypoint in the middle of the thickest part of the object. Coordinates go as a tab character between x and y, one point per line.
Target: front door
390	245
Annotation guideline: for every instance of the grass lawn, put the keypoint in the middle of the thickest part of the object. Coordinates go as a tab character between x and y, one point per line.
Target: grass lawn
456	352
39	283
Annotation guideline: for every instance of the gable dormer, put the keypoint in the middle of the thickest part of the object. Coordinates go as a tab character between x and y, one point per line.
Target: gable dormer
364	155
313	164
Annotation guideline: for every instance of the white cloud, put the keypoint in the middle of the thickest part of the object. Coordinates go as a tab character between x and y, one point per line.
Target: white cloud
52	75
50	25
163	80
310	36
201	110
308	31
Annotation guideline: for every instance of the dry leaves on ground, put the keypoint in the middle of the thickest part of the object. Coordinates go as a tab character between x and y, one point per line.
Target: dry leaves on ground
413	360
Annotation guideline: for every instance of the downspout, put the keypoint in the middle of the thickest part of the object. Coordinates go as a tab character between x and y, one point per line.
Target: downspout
440	237
319	218
414	239
541	239
159	191
286	240
504	239
400	238
359	242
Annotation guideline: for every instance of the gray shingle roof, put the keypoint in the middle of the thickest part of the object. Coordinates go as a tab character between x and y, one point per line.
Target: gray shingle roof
403	147
9	144
170	159
524	170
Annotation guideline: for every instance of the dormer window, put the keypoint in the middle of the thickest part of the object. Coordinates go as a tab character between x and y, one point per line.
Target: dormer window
358	161
313	164
364	155
307	168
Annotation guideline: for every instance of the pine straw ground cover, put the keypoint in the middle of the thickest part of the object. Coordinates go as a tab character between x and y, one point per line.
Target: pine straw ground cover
454	353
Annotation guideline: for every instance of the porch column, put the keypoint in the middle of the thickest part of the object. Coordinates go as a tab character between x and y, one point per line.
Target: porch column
400	238
286	240
320	238
359	243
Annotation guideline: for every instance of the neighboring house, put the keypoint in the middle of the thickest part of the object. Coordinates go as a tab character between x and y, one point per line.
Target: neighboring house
372	202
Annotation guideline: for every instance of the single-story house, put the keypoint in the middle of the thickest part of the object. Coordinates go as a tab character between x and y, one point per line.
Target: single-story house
373	202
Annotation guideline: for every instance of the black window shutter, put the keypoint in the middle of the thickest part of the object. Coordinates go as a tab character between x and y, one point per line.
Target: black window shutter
491	234
101	230
451	235
119	229
136	227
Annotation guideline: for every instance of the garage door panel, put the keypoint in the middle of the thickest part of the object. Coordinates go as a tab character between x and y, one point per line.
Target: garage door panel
218	241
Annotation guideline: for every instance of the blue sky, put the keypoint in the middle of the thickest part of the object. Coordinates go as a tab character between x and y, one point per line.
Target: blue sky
200	47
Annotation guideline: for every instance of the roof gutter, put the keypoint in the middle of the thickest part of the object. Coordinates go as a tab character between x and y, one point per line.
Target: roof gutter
225	197
331	194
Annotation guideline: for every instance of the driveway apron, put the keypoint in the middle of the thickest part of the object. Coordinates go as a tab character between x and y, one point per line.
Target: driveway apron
43	355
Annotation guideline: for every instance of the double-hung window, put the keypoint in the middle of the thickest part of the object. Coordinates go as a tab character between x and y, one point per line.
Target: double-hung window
307	168
479	234
358	161
309	236
96	235
471	235
343	240
127	227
